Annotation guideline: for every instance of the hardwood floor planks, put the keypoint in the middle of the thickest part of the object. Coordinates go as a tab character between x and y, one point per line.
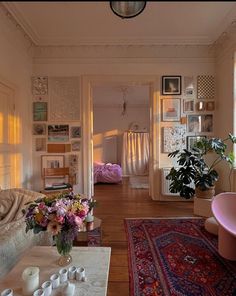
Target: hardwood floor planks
117	202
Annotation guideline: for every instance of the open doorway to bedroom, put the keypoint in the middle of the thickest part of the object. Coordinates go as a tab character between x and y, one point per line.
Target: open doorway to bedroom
121	134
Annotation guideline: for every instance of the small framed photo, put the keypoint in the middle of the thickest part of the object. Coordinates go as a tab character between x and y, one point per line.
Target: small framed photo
201	106
58	133
39	129
171	85
40	144
52	161
210	106
75	146
188	105
191	140
207	123
171	110
40	112
194	123
75	132
188	85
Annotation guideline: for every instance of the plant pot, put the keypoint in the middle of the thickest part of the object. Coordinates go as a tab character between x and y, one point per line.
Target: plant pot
206	194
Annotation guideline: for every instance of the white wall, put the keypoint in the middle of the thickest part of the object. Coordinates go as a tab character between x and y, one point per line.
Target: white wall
15	71
122	61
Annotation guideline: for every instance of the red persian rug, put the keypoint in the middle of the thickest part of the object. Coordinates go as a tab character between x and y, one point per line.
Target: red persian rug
176	257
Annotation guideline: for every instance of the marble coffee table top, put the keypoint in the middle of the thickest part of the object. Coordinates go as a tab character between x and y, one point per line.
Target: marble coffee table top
95	260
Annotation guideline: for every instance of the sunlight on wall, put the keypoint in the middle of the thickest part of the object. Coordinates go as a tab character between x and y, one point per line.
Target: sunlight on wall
11	129
16	162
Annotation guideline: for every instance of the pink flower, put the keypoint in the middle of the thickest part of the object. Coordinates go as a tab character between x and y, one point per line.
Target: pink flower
78	221
59	219
54	227
41	206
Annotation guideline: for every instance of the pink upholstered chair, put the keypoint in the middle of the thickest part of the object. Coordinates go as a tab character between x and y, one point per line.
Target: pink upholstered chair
224	209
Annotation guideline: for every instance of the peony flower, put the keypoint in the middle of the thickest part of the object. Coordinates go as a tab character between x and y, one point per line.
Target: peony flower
59	219
78	221
54	227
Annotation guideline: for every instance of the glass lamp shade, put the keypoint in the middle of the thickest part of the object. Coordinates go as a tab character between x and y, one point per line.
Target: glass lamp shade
127	9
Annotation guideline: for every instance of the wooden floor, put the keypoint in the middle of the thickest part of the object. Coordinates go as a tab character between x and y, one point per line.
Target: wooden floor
116	202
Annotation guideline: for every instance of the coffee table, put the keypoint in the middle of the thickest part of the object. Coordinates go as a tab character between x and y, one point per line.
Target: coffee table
95	260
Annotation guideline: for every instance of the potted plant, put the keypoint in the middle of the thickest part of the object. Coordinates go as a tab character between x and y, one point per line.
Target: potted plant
195	170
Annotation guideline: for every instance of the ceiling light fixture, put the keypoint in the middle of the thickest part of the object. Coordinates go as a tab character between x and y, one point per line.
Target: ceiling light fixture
127	9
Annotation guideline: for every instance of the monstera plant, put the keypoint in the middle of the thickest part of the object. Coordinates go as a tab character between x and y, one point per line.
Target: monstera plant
195	172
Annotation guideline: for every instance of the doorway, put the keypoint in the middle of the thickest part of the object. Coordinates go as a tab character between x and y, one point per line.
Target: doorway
89	83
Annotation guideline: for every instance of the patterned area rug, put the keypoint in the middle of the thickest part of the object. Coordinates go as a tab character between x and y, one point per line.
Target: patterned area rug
176	257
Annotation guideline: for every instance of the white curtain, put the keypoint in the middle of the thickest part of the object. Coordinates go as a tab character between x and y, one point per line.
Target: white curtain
135	156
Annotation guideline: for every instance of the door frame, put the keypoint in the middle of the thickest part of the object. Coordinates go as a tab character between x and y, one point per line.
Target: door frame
88	82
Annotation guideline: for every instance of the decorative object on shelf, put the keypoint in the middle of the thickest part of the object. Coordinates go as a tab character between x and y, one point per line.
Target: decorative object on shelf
171	85
39	85
40	112
58	133
188	105
62	215
52	161
75	132
188	85
171	110
205	87
174	138
39	129
194	167
127	9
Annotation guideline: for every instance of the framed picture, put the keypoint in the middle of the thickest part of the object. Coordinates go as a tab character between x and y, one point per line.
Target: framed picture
201	106
75	146
75	132
188	85
171	109
40	112
39	129
191	140
207	123
210	106
194	123
52	161
58	133
40	144
188	105
174	138
171	85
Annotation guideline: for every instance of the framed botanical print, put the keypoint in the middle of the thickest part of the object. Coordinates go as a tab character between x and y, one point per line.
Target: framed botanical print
171	110
192	140
171	85
40	112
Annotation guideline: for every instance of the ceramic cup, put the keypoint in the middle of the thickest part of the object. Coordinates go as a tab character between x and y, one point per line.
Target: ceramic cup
39	292
63	275
7	292
55	279
80	273
72	272
47	288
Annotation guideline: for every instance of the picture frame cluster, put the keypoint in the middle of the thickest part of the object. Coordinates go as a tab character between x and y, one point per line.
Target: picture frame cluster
186	101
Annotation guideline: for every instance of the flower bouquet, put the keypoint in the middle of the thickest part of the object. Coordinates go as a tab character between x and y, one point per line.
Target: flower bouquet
62	215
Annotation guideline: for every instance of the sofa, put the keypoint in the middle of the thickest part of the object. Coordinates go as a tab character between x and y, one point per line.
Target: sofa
14	241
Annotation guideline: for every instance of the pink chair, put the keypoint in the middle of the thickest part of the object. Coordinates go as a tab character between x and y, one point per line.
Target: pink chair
224	209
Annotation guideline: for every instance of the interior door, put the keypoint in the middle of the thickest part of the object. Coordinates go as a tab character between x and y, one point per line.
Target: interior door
7	138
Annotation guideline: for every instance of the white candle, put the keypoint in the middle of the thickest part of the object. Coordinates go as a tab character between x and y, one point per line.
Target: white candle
30	277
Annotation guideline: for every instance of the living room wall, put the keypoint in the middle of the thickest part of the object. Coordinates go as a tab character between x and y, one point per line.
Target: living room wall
127	60
15	72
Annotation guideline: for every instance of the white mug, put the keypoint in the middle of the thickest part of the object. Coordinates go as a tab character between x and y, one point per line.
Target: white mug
55	279
72	272
7	292
63	275
80	273
47	288
39	292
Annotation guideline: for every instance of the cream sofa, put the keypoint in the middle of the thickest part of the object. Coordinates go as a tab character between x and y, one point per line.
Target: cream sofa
14	241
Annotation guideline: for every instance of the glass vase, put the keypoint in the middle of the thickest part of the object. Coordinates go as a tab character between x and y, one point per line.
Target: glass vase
64	247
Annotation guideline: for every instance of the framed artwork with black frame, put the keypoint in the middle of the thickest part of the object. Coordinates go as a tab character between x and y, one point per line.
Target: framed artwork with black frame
171	85
191	140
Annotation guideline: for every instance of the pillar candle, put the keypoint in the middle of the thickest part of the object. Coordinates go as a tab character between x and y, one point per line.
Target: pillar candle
30	283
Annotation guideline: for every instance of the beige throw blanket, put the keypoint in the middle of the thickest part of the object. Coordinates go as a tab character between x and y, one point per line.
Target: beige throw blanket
12	201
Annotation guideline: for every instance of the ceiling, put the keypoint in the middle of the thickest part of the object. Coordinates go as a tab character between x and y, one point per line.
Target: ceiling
75	23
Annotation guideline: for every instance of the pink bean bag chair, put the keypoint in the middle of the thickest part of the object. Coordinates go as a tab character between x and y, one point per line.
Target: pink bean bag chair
107	173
